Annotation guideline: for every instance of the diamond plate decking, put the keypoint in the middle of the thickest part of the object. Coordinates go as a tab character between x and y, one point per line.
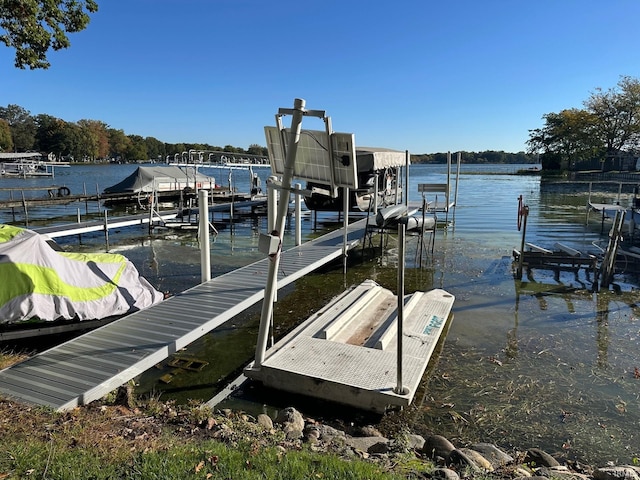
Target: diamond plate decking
86	368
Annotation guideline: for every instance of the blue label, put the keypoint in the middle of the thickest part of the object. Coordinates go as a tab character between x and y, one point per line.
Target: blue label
435	322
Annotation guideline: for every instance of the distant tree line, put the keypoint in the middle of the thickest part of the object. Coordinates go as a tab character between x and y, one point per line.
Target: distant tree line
603	135
488	156
90	140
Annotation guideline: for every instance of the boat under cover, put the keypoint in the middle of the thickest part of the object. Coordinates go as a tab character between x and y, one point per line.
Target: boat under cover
150	179
48	285
372	163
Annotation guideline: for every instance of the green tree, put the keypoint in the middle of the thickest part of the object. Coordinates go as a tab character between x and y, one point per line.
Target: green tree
255	149
96	137
33	27
50	134
566	139
155	148
617	114
72	143
23	127
137	149
118	143
6	143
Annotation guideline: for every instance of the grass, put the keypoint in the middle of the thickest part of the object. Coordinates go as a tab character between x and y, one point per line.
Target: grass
162	441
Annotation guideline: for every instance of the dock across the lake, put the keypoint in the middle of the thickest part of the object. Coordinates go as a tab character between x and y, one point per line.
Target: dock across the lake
88	367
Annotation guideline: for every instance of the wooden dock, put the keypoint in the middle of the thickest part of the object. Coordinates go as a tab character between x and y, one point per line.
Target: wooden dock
88	367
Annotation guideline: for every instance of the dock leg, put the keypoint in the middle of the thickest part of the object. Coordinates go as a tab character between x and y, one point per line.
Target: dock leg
400	389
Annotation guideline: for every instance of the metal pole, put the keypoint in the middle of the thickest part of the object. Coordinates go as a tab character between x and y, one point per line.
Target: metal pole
345	194
205	251
271	286
406	178
272	203
106	229
400	389
375	194
298	214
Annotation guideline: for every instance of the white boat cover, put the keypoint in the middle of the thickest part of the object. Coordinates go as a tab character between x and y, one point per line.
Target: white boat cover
39	282
160	178
371	159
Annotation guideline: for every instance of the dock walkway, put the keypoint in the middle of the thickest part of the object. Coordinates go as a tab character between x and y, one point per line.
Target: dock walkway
88	367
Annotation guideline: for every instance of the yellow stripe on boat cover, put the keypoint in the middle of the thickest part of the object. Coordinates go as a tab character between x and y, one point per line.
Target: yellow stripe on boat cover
27	279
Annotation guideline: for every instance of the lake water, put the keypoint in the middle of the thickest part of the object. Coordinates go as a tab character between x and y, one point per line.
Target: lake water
539	363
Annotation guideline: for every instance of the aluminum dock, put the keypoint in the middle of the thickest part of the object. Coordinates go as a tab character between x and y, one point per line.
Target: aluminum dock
348	351
88	367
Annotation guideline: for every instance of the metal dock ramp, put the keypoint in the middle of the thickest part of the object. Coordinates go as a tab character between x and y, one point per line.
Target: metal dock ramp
88	367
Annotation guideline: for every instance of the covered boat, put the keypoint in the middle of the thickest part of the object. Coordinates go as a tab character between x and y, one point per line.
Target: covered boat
168	182
43	284
149	179
381	164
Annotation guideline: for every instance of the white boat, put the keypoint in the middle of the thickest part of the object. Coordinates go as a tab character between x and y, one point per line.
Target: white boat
51	287
166	182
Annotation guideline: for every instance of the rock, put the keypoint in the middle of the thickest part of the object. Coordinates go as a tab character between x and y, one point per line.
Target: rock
311	434
539	458
291	419
478	459
521	473
616	473
265	421
561	473
369	431
437	446
379	448
492	453
458	457
328	433
414	442
362	444
293	434
444	474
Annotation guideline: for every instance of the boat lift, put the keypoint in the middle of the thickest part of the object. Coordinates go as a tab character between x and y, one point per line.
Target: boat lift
324	359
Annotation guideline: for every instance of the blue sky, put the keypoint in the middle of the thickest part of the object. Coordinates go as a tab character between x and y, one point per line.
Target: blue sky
424	76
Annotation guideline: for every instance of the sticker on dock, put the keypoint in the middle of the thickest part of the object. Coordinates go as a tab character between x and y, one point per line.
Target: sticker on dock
435	323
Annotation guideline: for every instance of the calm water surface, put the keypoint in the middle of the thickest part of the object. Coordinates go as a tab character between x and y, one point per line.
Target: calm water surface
538	363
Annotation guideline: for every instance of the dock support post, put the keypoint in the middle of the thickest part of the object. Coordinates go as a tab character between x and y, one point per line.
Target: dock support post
106	229
407	161
272	201
345	202
523	213
205	252
274	264
400	389
298	214
376	194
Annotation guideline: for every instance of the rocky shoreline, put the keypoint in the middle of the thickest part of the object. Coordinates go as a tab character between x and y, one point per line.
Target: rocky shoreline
123	424
435	455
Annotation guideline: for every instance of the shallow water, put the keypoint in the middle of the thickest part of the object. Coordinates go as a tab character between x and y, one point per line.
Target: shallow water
538	363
